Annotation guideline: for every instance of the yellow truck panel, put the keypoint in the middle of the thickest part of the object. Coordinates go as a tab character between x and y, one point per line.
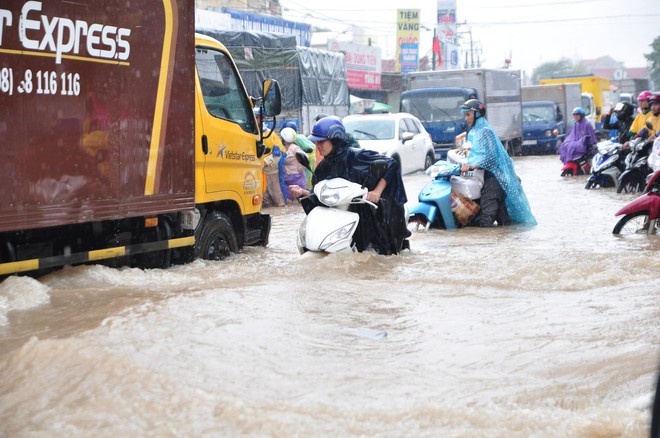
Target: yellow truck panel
596	86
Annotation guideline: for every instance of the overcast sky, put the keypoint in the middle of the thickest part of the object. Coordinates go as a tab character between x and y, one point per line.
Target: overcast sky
531	31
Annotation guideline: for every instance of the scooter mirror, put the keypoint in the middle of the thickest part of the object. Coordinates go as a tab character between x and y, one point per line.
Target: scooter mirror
377	168
303	159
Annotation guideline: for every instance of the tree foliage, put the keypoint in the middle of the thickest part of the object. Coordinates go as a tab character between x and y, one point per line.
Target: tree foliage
563	67
654	59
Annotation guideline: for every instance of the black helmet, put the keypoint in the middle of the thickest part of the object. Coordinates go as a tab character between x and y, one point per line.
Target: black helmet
320	116
624	109
474	105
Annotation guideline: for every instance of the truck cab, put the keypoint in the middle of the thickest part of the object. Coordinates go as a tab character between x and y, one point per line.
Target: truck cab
439	111
544	127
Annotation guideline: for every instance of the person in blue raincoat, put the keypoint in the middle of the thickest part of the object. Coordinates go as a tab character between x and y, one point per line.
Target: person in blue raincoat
383	229
502	197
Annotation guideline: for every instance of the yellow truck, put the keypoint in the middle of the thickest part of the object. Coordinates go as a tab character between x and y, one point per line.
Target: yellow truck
596	99
126	138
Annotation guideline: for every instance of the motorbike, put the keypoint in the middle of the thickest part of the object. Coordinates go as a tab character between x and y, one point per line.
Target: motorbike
607	165
579	166
633	177
439	204
642	215
330	227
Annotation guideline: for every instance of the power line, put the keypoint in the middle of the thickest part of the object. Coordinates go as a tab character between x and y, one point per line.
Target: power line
561	20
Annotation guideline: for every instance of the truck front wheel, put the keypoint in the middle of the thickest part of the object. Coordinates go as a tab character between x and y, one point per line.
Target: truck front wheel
217	239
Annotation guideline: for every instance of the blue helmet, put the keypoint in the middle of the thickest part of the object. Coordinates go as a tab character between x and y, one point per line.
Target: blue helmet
290	124
328	128
579	110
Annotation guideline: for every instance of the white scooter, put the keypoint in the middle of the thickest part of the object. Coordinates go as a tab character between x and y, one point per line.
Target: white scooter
329	228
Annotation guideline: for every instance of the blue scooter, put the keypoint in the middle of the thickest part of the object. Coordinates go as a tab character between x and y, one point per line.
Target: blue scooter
436	197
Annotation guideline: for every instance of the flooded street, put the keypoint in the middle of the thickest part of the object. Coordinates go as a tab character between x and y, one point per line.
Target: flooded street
548	331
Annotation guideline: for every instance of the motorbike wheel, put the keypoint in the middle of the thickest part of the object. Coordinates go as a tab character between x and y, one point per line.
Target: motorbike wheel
567	172
418	221
626	186
636	223
590	184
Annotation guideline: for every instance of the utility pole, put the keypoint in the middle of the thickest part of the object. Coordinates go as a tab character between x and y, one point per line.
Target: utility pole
471	63
435	61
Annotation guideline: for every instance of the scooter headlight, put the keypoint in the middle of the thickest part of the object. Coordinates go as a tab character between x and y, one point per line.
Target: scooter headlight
338	235
329	196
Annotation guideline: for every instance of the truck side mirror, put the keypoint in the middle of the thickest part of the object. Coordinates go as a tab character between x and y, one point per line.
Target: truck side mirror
272	98
560	117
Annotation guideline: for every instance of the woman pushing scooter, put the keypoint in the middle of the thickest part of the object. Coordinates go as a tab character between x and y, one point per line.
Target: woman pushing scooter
502	197
385	229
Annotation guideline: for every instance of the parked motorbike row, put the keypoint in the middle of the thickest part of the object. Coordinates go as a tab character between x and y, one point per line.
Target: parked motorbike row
634	170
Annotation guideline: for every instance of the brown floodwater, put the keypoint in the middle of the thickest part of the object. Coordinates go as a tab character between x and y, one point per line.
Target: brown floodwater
546	331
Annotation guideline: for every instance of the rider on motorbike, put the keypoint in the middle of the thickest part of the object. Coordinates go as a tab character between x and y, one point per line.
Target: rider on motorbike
654	118
624	119
579	141
384	229
502	196
645	108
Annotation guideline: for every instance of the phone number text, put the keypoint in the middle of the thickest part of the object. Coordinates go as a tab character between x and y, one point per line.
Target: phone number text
39	82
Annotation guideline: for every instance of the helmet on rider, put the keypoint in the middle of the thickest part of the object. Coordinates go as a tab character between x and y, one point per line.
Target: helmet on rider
474	105
288	135
655	98
579	110
290	124
644	95
320	116
328	128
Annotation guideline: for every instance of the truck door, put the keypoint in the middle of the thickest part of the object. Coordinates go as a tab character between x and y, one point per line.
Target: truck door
228	132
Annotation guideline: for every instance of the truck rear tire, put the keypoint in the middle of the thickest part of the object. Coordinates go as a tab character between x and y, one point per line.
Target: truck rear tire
217	239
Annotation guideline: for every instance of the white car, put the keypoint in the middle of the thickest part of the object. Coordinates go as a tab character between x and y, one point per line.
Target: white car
400	136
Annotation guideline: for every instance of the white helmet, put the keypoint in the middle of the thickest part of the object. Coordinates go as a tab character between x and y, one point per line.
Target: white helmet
288	135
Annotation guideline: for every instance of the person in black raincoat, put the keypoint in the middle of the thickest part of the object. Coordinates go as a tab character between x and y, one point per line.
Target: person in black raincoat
624	120
383	229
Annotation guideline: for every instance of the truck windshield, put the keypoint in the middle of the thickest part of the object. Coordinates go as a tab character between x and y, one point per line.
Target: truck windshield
538	112
224	95
434	106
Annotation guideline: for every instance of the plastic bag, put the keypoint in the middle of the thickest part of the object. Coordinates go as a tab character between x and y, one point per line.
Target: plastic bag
467	186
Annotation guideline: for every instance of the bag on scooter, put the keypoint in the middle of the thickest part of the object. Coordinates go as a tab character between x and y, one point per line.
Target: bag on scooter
464	209
469	185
